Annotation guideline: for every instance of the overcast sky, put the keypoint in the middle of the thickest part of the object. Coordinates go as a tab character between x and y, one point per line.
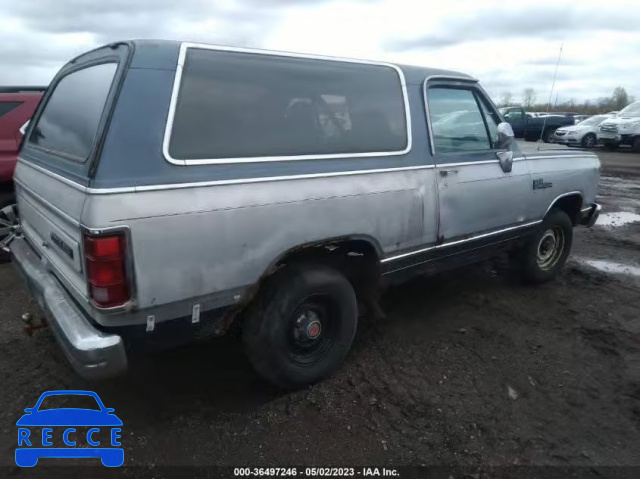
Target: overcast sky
508	44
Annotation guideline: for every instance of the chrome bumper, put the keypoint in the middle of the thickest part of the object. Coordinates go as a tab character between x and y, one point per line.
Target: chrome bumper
92	353
590	216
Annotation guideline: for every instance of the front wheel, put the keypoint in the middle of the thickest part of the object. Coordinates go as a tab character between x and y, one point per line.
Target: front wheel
589	140
636	145
547	250
301	326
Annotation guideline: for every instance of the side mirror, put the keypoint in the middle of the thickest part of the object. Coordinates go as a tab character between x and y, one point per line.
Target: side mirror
505	140
109	410
28	410
505	136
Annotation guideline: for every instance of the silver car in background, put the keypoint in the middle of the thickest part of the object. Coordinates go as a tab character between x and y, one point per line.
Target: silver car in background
584	134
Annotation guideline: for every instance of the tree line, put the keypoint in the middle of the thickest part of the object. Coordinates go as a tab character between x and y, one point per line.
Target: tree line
528	100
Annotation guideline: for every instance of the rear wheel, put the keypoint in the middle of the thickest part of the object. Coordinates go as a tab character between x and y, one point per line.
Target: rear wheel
301	326
547	250
547	137
636	145
589	140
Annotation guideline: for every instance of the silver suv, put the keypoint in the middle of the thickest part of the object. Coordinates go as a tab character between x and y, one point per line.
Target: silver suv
169	191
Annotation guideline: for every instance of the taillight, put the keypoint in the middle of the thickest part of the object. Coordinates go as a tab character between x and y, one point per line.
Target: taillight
105	260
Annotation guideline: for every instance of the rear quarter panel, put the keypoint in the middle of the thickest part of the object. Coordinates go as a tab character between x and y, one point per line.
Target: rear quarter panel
191	242
567	172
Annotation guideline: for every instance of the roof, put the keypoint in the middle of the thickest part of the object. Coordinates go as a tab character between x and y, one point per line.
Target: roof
413	74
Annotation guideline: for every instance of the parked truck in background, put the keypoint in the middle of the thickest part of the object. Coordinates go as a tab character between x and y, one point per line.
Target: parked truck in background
535	128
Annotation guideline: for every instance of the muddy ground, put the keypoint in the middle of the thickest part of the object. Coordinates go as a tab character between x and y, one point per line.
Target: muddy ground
469	368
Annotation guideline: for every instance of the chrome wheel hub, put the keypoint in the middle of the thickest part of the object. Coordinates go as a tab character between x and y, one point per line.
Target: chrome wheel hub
550	248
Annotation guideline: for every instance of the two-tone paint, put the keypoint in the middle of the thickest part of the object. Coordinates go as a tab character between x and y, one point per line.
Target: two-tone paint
202	233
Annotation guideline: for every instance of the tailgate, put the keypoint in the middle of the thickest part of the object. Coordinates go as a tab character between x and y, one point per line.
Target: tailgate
50	212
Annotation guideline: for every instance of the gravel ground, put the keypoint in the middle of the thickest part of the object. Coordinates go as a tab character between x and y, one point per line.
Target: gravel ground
469	368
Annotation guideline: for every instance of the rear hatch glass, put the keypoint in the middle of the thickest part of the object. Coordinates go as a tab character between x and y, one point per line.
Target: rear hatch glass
69	122
53	173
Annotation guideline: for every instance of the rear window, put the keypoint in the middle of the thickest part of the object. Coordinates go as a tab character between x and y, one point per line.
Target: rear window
241	105
7	106
69	122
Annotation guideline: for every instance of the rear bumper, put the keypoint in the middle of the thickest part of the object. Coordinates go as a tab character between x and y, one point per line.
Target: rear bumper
590	216
93	354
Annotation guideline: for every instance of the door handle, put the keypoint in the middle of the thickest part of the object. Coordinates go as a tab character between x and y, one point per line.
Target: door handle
448	172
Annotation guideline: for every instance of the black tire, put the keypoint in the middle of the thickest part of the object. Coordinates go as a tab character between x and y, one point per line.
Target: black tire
589	140
536	262
547	137
636	145
301	326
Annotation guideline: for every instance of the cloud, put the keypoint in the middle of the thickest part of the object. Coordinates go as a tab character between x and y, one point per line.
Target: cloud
548	21
508	46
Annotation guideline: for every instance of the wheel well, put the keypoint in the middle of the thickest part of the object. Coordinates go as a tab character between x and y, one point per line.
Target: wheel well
356	259
571	205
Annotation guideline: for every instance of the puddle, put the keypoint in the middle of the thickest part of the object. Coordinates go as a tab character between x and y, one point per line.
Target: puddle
611	267
619	218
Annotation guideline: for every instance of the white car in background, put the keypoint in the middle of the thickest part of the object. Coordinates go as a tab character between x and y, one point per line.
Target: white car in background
583	134
624	129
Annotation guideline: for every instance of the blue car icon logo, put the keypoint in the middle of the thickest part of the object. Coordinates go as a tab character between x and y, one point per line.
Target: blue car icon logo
32	445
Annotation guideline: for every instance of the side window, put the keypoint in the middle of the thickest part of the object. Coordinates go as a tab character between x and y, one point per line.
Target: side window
238	105
515	114
70	119
7	106
492	121
456	121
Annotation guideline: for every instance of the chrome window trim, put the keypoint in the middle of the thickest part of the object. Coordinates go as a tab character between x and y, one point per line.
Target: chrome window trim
470	163
453	243
200	184
556	157
216	161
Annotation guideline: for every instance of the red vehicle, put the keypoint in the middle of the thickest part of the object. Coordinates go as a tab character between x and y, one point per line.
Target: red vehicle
17	105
